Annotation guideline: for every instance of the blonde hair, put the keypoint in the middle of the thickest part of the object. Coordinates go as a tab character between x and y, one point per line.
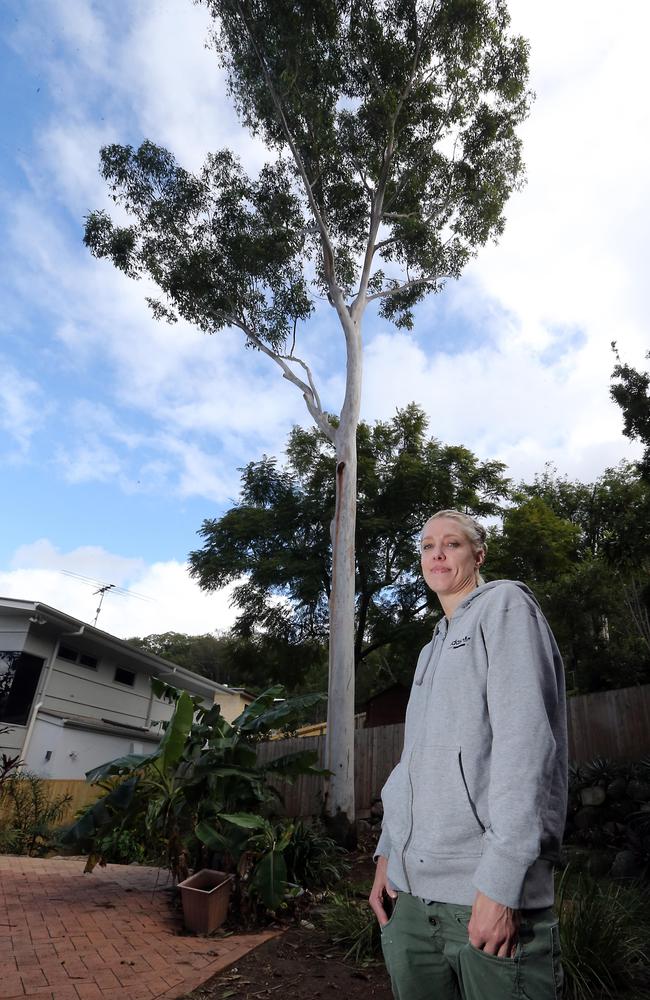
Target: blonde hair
473	531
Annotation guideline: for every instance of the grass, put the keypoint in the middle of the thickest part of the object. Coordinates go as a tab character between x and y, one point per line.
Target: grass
604	934
350	923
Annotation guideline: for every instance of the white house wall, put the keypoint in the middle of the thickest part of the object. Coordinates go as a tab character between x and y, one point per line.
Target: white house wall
93	692
75	751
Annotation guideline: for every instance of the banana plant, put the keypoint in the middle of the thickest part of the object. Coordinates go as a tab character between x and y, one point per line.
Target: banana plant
261	849
204	770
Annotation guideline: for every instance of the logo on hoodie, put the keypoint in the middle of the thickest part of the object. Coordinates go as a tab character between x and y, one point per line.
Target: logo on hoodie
457	643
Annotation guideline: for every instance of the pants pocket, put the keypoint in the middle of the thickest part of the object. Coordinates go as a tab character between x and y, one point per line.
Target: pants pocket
392	913
486	977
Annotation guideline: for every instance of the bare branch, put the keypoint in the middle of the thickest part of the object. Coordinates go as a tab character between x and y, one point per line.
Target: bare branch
310	377
309	393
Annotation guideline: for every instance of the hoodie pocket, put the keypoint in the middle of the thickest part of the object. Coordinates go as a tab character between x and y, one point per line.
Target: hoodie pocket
395	798
445	821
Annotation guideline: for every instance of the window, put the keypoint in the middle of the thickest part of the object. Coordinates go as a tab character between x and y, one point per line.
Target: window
19	674
124	676
74	656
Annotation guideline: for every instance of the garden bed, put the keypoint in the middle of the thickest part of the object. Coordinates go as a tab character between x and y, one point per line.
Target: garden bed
302	964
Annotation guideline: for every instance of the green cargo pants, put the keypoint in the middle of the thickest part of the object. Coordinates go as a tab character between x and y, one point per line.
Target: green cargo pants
429	957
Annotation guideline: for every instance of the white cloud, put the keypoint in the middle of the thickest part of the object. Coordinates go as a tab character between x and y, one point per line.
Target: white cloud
173	601
22	407
504	404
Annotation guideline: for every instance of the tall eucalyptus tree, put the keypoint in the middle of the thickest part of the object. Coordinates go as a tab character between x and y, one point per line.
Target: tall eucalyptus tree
392	125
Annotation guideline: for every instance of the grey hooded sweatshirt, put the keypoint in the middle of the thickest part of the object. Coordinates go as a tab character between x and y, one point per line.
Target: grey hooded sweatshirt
478	799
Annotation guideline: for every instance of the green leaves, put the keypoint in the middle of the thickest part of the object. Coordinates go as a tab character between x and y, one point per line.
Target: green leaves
632	393
201	787
278	535
269	878
175	736
224	249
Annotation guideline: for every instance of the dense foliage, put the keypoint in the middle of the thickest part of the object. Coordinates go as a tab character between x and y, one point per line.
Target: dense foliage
205	798
631	391
278	535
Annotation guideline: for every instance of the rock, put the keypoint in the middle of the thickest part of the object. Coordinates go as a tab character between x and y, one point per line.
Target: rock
307	925
586	818
639	790
377	809
593	796
600	863
626	863
616	789
623	809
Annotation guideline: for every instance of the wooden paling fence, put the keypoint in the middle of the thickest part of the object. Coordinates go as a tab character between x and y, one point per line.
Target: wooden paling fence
613	724
81	793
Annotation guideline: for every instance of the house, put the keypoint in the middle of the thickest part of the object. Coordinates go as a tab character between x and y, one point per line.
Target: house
387	707
73	697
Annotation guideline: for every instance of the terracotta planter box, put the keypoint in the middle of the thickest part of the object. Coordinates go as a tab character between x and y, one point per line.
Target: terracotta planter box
205	898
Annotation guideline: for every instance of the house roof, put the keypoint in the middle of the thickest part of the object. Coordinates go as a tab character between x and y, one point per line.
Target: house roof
65	625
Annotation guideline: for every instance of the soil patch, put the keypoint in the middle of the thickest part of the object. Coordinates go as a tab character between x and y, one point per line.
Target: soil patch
300	963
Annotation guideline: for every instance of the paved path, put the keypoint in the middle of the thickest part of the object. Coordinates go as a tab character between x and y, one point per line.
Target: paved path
112	934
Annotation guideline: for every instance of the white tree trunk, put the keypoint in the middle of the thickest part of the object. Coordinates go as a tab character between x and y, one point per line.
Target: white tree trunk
340	706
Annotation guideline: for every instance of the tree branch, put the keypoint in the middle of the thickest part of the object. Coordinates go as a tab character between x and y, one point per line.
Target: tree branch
377	201
328	250
432	279
309	392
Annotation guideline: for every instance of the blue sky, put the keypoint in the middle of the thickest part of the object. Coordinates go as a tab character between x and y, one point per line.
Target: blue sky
119	434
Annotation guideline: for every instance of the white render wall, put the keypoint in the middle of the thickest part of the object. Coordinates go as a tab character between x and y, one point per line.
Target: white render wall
75	751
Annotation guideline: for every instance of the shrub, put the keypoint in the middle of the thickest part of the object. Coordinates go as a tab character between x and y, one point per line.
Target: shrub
32	814
350	923
313	859
603	937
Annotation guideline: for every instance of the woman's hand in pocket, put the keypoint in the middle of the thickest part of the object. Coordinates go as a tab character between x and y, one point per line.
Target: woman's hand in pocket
380	889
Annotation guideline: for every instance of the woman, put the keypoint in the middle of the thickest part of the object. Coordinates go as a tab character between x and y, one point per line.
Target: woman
474	811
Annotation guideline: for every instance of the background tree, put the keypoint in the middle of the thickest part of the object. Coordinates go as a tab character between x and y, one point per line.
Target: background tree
584	548
632	393
392	126
254	661
278	537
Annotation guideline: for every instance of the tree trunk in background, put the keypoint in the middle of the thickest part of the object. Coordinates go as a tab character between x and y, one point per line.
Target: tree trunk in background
339	803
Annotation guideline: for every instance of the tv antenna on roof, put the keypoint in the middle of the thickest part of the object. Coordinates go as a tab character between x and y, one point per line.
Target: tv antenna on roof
103	588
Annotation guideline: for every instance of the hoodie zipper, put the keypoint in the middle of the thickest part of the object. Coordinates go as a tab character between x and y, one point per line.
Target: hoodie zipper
431	666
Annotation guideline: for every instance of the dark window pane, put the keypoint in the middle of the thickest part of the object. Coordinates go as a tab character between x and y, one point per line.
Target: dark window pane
67	653
19	674
124	676
87	661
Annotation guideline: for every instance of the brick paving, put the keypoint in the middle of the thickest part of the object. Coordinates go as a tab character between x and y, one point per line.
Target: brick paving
109	935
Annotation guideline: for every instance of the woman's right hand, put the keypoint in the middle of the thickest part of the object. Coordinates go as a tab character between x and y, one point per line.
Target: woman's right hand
381	886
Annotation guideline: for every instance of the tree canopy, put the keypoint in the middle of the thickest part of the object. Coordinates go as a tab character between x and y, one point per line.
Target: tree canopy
278	534
632	393
584	548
